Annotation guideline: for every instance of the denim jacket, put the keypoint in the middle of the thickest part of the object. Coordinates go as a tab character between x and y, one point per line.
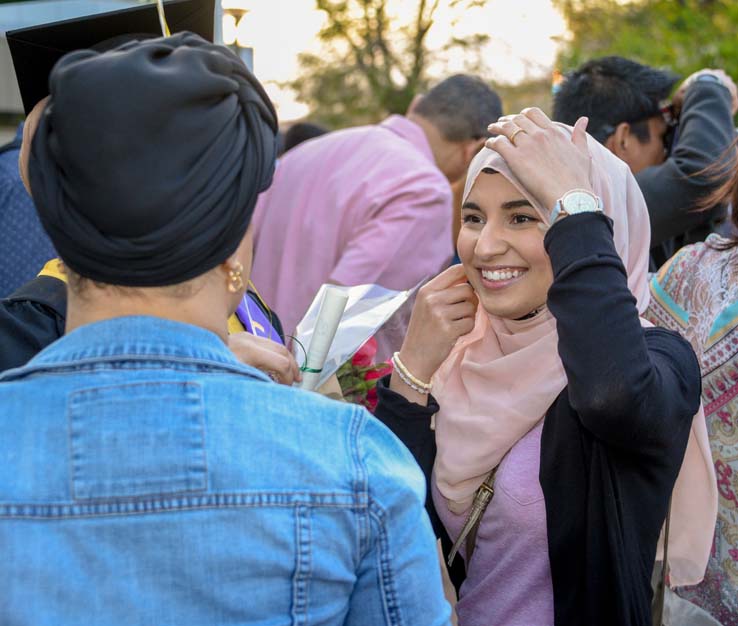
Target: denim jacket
148	477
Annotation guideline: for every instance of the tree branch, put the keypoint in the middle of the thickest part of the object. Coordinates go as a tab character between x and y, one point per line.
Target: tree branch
422	26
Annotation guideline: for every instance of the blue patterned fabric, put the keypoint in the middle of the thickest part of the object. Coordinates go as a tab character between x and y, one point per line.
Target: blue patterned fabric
23	242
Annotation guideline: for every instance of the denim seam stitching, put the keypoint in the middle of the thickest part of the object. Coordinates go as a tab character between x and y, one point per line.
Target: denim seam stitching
153	507
203	432
386	574
74	365
303	537
70	451
361	486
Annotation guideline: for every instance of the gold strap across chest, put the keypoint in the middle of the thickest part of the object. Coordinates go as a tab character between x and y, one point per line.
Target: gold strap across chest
482	498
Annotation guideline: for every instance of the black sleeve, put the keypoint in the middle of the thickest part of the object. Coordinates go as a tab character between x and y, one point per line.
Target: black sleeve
31	319
673	188
411	424
26	328
629	386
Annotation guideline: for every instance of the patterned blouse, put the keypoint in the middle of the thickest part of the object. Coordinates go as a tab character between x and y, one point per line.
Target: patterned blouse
696	294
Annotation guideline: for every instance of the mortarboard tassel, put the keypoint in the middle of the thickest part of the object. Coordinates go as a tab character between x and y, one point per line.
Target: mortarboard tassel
162	18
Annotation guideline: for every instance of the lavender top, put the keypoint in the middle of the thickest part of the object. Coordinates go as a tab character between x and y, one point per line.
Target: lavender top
509	578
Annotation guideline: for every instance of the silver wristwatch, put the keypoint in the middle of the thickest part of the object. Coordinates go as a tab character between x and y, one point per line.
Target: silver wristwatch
576	201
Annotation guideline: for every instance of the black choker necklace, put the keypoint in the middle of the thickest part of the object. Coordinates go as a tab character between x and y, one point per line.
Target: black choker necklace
533	313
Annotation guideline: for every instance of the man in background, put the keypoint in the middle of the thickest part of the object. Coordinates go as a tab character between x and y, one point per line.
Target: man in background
370	204
668	148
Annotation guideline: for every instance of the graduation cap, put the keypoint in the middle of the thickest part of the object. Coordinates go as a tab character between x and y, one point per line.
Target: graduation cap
35	50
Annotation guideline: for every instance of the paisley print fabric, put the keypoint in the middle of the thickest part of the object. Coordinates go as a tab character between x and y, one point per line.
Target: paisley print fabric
696	294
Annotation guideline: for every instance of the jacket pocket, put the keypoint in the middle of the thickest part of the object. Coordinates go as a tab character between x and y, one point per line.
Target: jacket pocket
137	439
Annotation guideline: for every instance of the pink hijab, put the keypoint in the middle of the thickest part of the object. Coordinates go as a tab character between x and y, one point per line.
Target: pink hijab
501	378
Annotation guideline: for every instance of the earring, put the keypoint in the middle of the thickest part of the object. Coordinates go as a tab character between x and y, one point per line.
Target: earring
235	278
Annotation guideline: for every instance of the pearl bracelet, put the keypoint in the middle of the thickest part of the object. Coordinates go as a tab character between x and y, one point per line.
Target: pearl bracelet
406	377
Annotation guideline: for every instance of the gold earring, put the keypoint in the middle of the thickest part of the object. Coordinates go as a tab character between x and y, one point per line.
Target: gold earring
235	278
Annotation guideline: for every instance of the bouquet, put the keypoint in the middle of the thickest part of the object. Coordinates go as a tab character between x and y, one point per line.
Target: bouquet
358	377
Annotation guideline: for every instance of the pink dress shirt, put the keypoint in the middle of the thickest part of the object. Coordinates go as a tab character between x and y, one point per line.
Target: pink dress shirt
361	205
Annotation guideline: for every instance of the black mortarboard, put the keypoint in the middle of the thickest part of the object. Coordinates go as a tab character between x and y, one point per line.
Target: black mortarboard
35	50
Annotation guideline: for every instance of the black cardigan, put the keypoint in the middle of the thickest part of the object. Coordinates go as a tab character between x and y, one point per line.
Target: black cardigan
613	440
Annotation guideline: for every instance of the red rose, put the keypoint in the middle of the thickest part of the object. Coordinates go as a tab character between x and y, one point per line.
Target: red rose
364	356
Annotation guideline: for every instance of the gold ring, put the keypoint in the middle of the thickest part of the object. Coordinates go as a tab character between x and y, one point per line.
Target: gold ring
512	137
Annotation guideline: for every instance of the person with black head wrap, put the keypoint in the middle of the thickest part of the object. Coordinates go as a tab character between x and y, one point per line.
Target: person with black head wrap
34	315
213	494
201	149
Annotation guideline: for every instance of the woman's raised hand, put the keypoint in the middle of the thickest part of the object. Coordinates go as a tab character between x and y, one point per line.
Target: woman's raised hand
544	159
444	311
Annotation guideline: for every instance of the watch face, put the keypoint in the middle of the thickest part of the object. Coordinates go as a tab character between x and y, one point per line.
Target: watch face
579	202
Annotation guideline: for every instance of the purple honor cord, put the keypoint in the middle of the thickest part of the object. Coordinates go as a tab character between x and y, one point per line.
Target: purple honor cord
255	321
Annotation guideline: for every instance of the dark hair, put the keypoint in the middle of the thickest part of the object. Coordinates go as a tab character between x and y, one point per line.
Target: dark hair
612	90
80	285
725	172
301	131
461	107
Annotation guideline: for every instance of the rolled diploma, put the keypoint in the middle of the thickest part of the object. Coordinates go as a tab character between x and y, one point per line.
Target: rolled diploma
326	325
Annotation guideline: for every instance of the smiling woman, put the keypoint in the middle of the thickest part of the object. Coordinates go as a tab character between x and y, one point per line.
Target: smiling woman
501	245
552	394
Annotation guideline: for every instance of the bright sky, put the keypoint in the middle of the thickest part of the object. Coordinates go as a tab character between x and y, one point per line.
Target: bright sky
521	45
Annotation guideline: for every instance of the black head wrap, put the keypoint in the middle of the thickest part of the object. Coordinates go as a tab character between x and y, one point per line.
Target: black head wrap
148	159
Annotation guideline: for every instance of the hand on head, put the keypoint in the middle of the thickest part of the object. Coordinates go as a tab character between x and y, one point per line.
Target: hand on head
545	160
724	79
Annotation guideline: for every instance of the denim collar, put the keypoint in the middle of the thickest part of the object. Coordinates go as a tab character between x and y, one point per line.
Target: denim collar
137	337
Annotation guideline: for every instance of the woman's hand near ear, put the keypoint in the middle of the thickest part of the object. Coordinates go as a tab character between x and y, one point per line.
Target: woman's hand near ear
547	161
270	357
444	310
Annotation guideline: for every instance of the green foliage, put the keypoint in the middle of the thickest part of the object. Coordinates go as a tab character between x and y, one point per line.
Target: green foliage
682	35
534	92
371	65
